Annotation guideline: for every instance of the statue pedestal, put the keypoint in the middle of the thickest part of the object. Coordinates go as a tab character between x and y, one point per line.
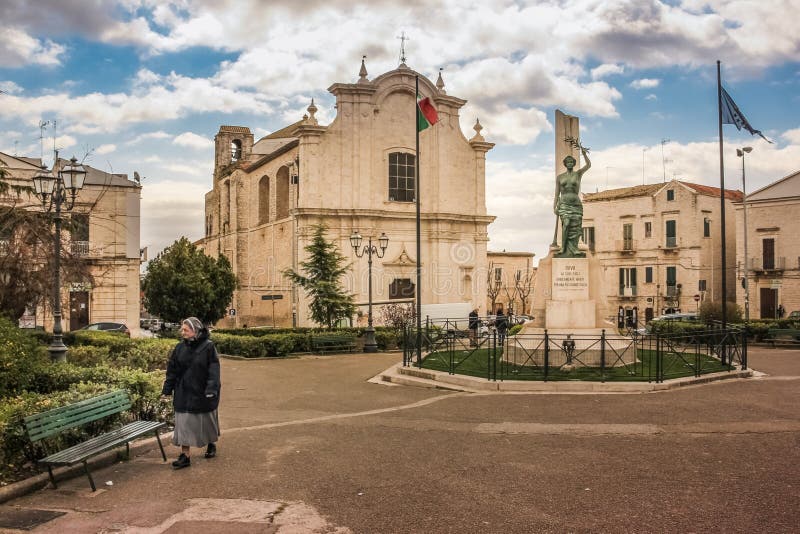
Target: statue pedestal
568	301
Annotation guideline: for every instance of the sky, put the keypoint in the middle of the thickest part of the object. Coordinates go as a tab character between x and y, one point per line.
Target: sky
143	85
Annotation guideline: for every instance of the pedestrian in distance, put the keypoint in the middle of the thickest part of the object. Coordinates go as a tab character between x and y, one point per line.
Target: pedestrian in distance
501	325
474	324
781	311
193	381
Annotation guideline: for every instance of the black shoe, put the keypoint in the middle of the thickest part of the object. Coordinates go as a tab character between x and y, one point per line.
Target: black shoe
211	450
182	461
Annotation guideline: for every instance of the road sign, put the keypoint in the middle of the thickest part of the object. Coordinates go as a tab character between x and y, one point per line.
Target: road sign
232	312
697	298
271	297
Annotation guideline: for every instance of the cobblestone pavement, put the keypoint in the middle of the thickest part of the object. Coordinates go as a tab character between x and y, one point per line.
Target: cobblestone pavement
309	445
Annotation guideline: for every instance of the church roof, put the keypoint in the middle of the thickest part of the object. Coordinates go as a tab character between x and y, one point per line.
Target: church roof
283	133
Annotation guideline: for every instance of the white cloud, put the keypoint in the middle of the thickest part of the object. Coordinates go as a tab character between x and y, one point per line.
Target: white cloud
651	96
10	87
105	149
150	135
17	49
606	69
645	83
171	209
192	140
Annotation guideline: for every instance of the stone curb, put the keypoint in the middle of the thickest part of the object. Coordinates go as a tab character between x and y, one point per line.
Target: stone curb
42	480
412	376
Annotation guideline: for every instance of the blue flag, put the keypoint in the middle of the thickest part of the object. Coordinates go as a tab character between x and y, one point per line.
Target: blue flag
731	114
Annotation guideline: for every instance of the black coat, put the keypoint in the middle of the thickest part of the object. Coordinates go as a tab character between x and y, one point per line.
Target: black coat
474	322
501	323
193	375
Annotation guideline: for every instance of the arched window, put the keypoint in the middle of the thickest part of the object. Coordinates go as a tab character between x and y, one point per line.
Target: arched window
226	207
401	176
263	200
282	200
236	150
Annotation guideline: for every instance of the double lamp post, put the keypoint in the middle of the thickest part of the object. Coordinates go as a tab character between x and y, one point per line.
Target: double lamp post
55	192
369	249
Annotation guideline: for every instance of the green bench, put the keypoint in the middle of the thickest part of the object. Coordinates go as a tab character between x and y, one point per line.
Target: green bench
781	336
323	343
56	421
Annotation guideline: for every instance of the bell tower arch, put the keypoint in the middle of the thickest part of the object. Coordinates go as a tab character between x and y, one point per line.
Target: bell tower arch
232	144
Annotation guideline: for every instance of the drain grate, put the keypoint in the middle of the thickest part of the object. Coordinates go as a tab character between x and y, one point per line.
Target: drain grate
25	518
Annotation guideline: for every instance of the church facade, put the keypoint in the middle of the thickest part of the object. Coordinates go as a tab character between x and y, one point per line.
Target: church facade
356	174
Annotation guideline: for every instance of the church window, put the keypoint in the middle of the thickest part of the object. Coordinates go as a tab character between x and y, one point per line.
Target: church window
401	177
236	150
263	200
282	203
401	288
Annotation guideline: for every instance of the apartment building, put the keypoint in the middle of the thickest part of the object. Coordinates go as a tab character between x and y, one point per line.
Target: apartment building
510	280
772	246
660	246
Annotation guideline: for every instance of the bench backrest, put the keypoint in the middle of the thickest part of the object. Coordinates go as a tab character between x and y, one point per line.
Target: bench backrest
55	421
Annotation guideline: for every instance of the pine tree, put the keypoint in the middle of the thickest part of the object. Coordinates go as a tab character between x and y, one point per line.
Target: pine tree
323	269
183	282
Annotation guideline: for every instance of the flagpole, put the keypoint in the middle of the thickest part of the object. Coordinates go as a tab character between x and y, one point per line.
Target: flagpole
419	246
722	205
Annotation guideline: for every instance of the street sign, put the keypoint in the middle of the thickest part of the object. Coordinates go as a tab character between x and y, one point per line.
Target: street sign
697	298
775	283
271	297
232	312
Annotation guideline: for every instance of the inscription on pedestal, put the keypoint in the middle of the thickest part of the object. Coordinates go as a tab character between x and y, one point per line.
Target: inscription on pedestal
570	279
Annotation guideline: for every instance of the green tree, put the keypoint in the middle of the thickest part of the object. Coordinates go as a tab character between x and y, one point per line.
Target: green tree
711	311
323	269
183	282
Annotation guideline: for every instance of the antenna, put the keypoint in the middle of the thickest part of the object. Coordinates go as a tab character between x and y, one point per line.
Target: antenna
403	38
42	128
663	161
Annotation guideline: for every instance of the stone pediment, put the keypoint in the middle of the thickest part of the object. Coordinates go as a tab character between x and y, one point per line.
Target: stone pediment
402	260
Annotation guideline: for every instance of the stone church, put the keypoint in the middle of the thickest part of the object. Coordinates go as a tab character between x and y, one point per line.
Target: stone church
355	174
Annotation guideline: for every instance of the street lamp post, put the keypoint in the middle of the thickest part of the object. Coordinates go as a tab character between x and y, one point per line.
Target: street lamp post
369	249
741	152
55	191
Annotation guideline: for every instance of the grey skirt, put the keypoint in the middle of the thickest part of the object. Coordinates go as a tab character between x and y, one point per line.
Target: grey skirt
195	429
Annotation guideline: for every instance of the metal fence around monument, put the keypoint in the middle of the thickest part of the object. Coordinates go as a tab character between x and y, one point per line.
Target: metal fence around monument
447	346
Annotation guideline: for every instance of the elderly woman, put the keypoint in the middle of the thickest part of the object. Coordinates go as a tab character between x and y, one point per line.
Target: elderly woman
193	380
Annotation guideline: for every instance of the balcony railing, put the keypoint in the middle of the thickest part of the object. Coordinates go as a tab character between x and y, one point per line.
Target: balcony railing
777	264
79	248
671	242
673	291
627	291
625	245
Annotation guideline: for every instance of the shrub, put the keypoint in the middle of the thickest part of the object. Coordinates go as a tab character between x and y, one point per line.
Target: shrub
712	311
514	329
20	353
275	345
387	339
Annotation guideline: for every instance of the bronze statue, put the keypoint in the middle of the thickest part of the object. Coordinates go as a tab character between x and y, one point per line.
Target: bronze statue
567	203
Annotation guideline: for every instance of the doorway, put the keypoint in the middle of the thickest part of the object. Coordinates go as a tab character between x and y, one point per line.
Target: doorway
78	309
768	302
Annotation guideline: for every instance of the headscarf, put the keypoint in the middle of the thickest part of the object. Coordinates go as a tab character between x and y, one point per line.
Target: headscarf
196	325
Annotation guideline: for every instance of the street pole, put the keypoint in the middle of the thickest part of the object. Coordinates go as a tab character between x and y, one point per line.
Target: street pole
370	345
741	152
57	349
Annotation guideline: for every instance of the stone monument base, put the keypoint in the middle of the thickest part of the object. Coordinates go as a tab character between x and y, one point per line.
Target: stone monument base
527	347
574	314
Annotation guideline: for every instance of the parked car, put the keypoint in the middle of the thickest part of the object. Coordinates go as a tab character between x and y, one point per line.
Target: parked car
109	327
794	316
522	319
691	317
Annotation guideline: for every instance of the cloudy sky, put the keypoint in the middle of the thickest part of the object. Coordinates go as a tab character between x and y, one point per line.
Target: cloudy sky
143	85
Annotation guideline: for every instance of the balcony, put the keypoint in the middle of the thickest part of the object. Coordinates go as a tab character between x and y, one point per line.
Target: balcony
772	264
673	291
627	292
79	248
625	246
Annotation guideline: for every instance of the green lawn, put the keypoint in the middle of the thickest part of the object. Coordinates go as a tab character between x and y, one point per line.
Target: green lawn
475	363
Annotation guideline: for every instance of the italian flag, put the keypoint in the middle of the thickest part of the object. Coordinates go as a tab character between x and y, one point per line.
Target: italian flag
426	113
